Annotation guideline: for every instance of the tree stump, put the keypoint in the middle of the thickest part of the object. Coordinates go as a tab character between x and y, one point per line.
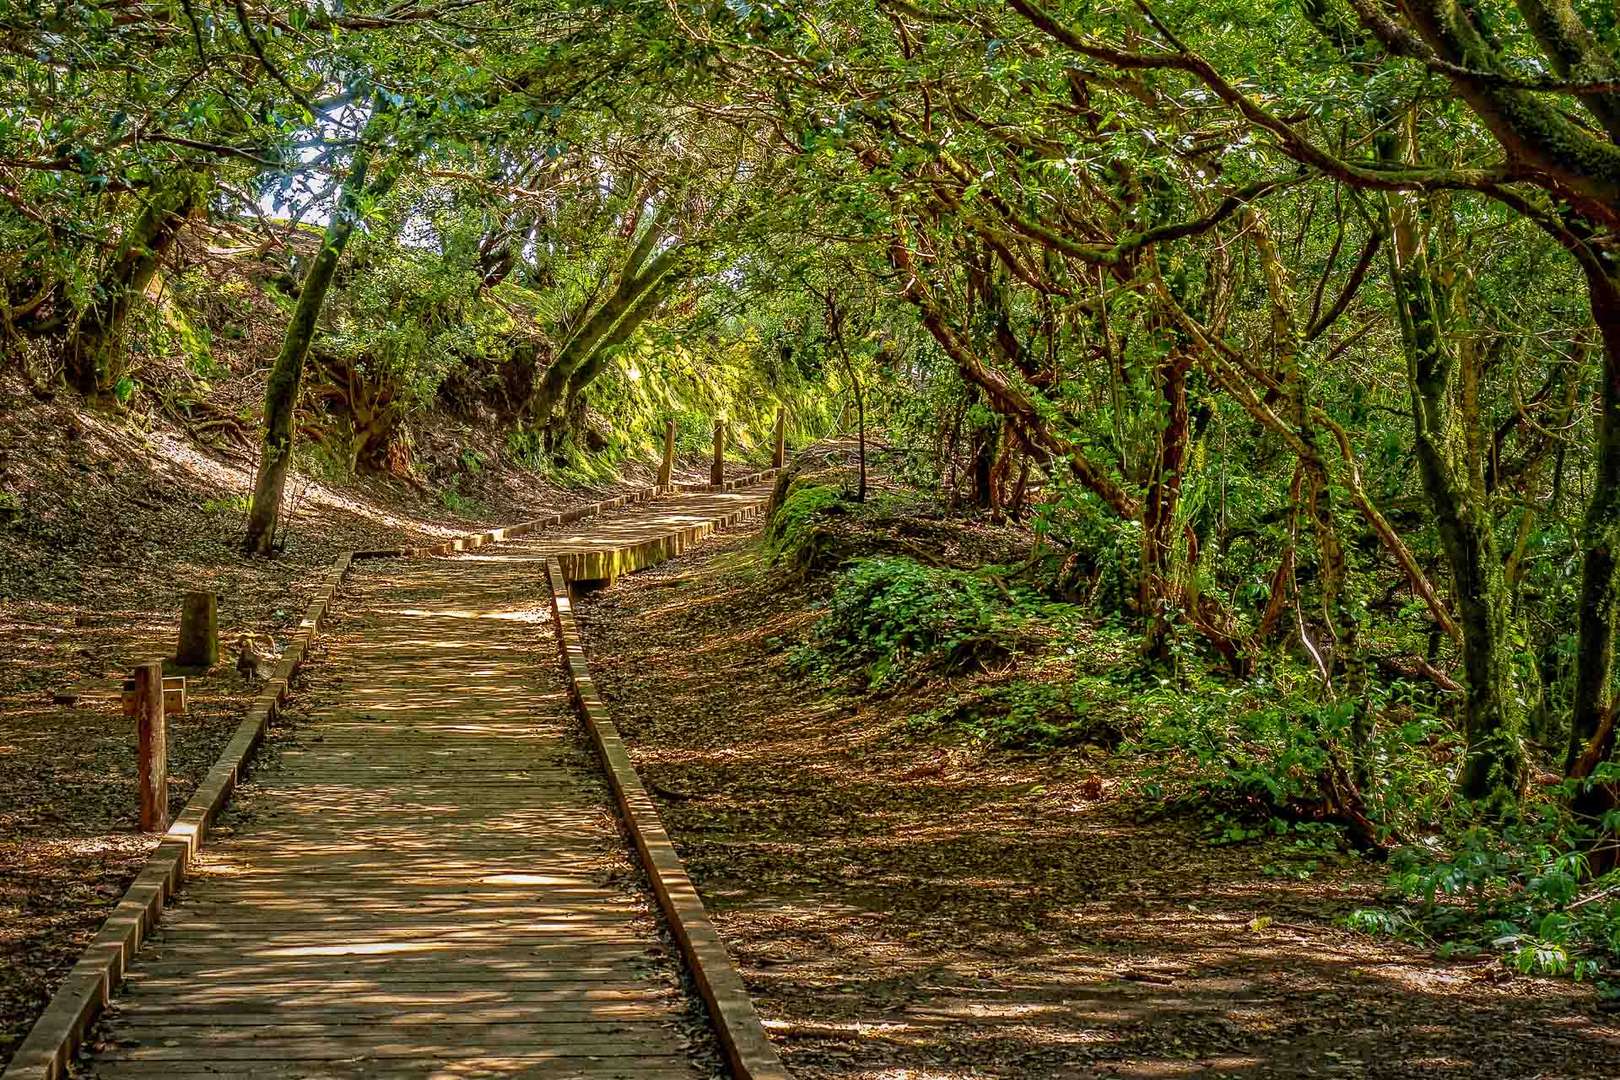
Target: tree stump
666	471
152	755
199	631
717	471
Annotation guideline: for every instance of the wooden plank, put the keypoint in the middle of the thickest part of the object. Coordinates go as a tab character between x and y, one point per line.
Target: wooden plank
382	1047
236	976
440	1068
556	1010
547	1031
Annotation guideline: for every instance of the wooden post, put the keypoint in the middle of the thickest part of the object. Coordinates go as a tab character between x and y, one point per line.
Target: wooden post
717	471
779	454
666	471
199	631
152	747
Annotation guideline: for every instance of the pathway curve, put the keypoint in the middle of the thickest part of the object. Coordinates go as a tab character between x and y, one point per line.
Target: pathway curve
428	881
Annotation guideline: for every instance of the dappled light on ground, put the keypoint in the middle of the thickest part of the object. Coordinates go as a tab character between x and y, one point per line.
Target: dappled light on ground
901	907
120	517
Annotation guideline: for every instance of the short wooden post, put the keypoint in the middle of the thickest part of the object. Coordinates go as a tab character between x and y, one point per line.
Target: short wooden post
666	471
199	631
779	454
152	747
717	471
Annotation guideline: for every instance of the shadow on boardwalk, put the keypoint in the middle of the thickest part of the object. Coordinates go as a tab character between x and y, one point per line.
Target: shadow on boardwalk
427	879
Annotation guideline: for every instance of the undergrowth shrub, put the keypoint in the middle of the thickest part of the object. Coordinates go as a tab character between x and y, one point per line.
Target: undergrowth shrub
1026	715
1232	750
1520	891
892	618
1087	554
1248	755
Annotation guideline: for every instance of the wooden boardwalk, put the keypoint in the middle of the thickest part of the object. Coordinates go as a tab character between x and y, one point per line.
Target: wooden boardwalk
428	880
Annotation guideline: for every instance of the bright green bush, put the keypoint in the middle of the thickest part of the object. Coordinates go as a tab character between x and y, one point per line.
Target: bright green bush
891	618
1242	751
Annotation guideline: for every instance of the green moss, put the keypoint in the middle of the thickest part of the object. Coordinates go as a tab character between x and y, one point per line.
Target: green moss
792	526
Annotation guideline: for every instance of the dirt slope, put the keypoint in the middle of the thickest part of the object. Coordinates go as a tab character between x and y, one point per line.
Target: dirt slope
909	908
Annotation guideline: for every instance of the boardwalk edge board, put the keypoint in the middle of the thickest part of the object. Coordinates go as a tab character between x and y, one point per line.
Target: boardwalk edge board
58	1033
742	1036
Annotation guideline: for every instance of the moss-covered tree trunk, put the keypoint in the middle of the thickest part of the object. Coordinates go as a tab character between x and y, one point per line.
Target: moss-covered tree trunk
603	330
586	371
640	281
1158	593
1492	717
95	349
1592	710
281	392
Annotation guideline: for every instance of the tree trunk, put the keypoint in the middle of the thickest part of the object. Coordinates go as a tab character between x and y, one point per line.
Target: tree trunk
94	353
630	295
281	392
1492	719
1157	592
586	371
986	442
1592	719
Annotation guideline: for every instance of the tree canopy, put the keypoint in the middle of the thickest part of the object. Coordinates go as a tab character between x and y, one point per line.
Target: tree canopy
1293	330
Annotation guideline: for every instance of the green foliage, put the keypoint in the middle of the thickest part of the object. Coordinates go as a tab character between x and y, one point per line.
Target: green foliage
229	504
1026	715
1256	749
1519	890
190	336
325	461
1267	751
1090	544
457	503
891	619
663	376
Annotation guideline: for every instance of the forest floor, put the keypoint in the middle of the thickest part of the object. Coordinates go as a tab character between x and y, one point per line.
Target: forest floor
107	522
911	906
